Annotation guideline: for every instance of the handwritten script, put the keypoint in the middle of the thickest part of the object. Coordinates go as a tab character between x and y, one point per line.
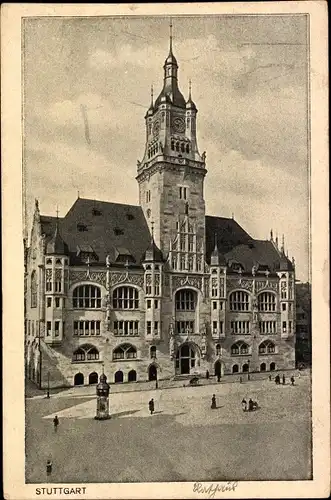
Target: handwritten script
214	488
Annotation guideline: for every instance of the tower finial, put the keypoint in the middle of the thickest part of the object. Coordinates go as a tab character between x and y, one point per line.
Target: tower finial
152	227
170	27
215	240
271	235
189	88
152	95
283	243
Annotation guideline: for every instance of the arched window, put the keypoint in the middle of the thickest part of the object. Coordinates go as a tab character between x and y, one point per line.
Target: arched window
79	379
239	301
86	352
245	368
173	145
272	367
267	302
267	347
33	289
48	262
118	377
185	300
182	147
93	378
79	355
58	262
187	148
132	376
125	297
235	369
153	351
125	351
218	349
87	297
177	146
239	348
263	367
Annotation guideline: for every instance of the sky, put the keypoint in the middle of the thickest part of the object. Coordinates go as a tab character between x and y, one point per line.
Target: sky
249	82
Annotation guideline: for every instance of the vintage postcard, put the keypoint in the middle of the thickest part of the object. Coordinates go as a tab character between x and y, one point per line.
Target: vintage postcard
165	250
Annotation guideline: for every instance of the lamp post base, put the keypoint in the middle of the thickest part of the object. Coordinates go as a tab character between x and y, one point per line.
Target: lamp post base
105	417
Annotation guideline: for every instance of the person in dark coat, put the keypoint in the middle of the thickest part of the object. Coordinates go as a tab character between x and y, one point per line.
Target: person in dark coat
207	374
292	380
56	422
151	406
213	402
277	379
49	466
244	404
283	379
250	405
218	377
269	377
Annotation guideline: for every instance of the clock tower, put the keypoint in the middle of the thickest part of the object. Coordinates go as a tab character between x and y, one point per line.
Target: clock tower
171	173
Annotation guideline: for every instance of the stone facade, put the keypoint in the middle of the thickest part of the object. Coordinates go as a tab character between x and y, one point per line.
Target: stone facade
174	311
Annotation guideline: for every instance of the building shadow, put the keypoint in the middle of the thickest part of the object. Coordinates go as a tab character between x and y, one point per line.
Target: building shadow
123	413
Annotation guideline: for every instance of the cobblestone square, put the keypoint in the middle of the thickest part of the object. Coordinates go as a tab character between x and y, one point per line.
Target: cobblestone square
185	440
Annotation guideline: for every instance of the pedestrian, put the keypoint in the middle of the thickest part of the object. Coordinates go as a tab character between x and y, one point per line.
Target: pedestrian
151	406
213	402
241	380
218	377
292	380
207	374
55	422
277	379
49	466
270	377
244	404
250	405
156	385
283	379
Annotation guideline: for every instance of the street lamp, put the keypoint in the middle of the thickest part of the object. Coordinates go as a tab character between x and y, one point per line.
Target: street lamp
47	385
248	376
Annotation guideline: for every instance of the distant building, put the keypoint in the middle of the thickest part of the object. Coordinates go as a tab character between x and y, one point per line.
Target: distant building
159	289
303	323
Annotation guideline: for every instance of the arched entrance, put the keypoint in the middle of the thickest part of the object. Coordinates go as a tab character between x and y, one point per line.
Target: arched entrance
186	359
152	372
79	379
272	367
132	376
218	368
93	378
118	377
245	368
263	367
235	369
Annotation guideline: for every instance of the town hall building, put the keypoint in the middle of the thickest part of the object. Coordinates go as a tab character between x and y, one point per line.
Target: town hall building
157	290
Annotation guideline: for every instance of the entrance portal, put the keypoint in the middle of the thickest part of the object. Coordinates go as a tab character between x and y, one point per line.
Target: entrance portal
185	359
79	379
152	372
93	378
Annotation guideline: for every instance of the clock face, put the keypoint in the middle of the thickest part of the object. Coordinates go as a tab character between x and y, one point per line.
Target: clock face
178	124
156	128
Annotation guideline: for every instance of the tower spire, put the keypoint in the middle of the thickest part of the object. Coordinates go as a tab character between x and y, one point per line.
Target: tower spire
152	95
189	89
170	41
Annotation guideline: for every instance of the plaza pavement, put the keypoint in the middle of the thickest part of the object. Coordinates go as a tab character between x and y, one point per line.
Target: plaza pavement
183	441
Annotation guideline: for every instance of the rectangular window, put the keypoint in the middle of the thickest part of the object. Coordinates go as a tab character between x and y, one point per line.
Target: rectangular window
63	303
63	329
156	327
290	307
283	295
241	327
221	327
156	304
57	328
284	306
157	290
174	263
184	327
48	286
184	192
57	301
49	301
180	193
49	328
149	327
221	306
75	327
214	292
190	243
148	290
290	326
267	327
214	305
214	327
81	328
149	304
58	286
284	326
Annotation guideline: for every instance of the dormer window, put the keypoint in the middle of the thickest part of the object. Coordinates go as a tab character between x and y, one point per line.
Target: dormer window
118	231
96	212
82	227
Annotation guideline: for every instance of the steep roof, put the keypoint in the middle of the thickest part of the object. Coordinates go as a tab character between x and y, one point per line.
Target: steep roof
256	252
56	245
228	234
104	226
